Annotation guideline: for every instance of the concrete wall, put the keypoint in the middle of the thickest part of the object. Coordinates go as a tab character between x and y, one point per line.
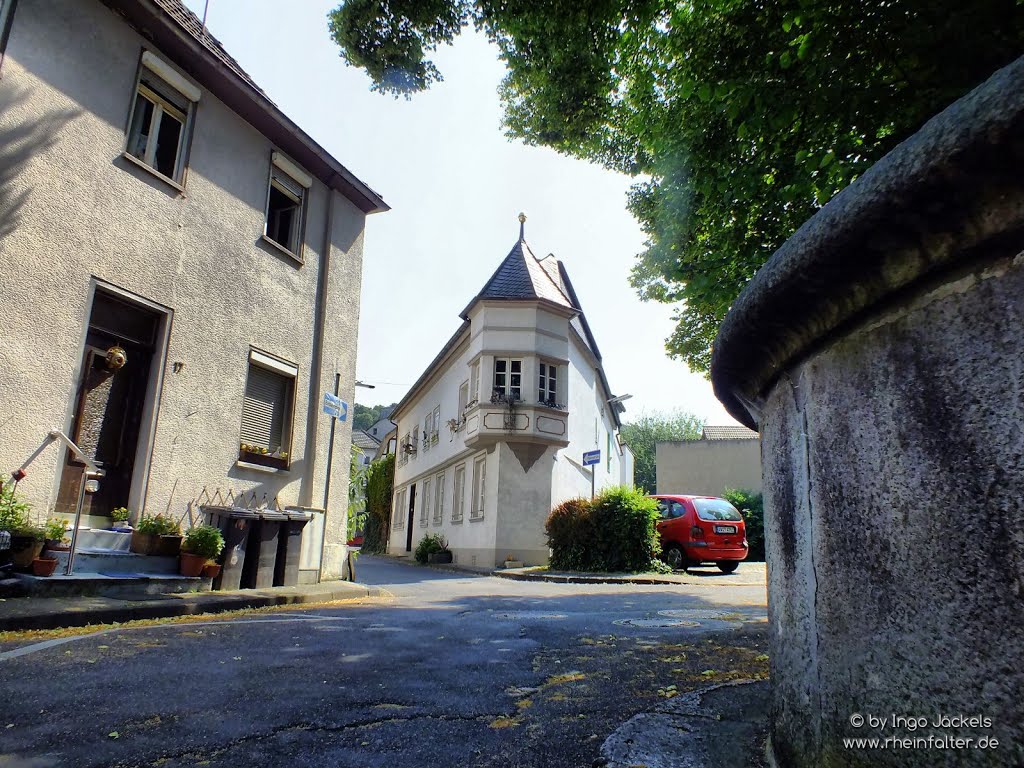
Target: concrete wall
708	467
74	213
888	387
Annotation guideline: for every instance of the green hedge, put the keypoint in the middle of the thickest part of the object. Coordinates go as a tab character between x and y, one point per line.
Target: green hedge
380	477
751	506
614	532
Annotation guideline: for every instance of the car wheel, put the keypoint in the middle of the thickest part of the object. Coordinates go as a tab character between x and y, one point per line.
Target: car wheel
728	566
675	558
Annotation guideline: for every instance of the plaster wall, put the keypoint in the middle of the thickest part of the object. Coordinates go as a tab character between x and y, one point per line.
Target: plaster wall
74	212
708	467
590	423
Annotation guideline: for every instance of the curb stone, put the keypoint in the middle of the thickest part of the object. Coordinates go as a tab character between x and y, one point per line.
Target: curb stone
40	613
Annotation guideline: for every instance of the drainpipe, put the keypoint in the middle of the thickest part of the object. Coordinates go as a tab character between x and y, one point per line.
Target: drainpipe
316	370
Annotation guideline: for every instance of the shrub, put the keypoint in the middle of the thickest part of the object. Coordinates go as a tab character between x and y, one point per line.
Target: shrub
158	525
625	530
204	540
751	506
429	544
379	487
568	530
614	532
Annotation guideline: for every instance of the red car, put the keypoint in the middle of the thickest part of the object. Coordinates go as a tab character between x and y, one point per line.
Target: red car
699	529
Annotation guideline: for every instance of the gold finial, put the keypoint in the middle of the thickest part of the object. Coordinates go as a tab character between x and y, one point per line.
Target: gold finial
522	225
522	218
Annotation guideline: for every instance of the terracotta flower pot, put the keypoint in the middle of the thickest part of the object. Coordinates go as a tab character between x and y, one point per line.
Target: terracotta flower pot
44	566
55	545
191	565
211	570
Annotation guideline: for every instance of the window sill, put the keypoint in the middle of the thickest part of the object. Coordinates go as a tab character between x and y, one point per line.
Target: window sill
281	249
476	519
457	522
258	467
153	172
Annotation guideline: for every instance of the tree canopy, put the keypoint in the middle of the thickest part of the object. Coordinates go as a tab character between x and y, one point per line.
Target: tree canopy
368	415
738	118
643	434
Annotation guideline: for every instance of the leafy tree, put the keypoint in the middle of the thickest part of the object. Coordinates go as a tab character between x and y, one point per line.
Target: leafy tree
643	434
740	118
356	493
368	415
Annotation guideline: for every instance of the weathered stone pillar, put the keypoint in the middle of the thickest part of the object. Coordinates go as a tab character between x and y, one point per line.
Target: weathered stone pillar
880	353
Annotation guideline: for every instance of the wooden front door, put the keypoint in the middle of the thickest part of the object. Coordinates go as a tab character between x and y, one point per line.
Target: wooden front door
109	402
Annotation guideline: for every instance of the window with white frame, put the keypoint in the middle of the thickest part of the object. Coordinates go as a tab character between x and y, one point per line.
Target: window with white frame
427	421
161	118
403	449
435	424
459	493
474	382
286	203
267	406
476	511
398	514
547	384
415	440
508	379
425	503
463	399
439	498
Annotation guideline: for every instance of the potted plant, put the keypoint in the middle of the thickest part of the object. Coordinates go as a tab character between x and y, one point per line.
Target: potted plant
148	538
202	543
56	529
44	565
26	544
511	562
211	570
119	517
433	548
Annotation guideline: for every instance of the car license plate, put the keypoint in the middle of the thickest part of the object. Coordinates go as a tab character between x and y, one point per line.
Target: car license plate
725	529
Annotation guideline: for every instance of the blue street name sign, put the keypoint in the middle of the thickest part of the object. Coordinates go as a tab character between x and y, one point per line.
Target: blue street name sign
591	457
335	406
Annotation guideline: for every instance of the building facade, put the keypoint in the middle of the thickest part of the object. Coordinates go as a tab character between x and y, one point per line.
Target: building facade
181	270
492	435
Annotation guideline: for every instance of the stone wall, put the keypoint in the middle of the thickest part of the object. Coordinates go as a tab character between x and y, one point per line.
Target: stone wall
880	353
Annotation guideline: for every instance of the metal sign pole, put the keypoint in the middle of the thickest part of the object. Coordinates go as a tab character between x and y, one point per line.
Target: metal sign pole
592	473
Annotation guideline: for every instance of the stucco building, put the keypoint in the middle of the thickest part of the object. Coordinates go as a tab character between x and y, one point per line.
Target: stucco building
492	435
727	457
181	269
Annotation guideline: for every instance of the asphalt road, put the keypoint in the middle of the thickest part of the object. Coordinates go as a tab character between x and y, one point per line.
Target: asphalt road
449	670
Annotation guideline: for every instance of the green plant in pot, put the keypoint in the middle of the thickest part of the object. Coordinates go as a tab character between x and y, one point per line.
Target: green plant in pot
119	519
56	529
156	535
202	543
433	548
26	544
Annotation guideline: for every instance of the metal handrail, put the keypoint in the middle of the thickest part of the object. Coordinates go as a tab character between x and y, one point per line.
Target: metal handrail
90	470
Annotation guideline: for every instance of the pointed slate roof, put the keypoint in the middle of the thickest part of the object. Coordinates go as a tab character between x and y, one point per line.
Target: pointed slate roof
521	276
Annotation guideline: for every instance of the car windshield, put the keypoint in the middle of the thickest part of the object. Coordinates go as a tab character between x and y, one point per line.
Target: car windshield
716	509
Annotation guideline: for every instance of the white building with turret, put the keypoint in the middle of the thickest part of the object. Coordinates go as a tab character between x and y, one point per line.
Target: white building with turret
492	435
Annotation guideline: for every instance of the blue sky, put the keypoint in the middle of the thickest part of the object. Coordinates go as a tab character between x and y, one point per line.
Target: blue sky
456	185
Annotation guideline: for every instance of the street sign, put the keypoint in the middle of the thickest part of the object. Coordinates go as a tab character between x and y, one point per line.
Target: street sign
591	457
334	406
